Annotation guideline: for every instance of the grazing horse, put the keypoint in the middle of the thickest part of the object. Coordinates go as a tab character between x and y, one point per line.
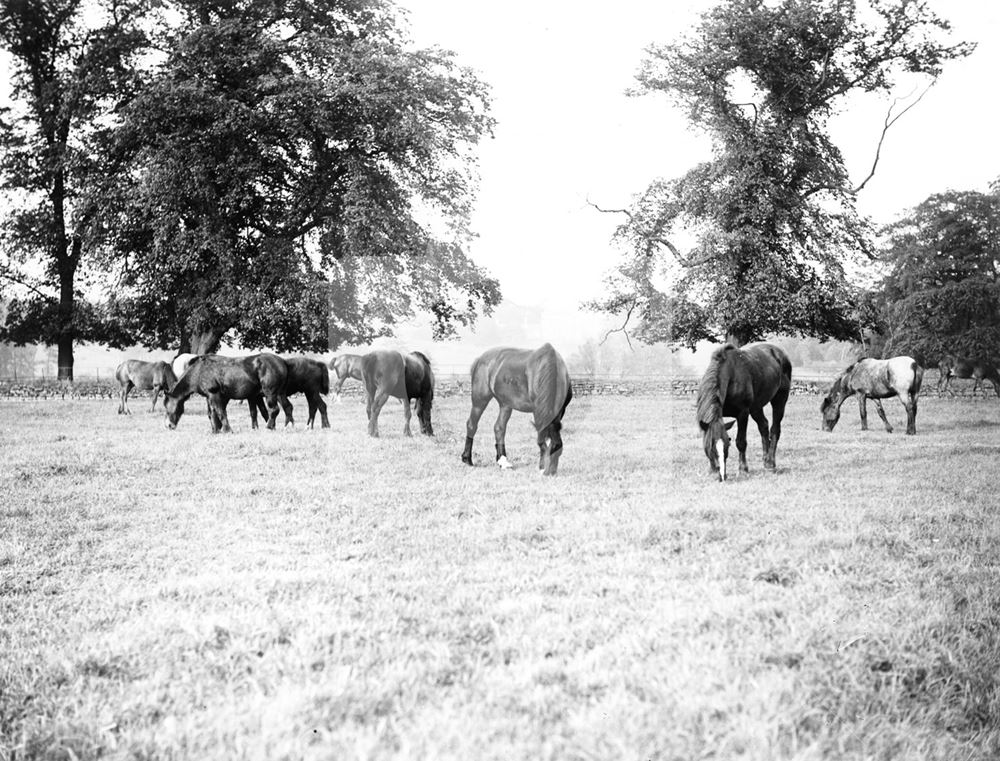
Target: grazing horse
309	377
405	376
525	380
220	379
134	373
876	379
738	383
979	370
345	366
180	363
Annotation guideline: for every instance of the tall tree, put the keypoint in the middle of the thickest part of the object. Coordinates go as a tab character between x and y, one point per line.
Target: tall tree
942	291
772	215
298	176
73	62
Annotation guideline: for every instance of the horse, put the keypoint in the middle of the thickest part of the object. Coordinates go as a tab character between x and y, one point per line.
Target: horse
876	379
220	379
979	370
309	377
180	363
525	380
738	383
135	373
345	366
405	376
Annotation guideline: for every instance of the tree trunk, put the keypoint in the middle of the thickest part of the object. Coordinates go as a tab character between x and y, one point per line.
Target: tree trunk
206	341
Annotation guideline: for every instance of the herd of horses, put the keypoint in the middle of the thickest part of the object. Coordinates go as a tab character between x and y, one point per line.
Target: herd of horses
533	381
739	383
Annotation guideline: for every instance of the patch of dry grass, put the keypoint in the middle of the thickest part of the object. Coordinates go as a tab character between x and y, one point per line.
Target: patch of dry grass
317	594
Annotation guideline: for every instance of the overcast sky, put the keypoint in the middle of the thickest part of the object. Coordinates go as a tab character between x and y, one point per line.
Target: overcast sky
567	131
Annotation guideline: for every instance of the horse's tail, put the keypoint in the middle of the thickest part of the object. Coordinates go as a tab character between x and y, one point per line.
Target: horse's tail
121	372
324	379
551	382
918	378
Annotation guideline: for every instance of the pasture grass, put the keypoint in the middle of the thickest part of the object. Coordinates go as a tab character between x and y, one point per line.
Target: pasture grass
318	594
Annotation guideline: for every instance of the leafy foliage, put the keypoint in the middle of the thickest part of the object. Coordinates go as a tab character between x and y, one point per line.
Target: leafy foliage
772	215
299	176
942	292
72	64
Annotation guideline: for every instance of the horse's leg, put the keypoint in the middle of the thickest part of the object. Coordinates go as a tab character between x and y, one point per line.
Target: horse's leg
407	412
478	407
287	408
156	395
121	400
881	414
947	384
910	403
863	409
741	439
128	387
765	440
555	437
500	436
254	404
311	405
777	414
321	406
377	401
219	403
274	403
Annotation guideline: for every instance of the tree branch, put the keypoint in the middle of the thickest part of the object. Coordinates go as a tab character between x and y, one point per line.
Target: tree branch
29	286
888	123
622	328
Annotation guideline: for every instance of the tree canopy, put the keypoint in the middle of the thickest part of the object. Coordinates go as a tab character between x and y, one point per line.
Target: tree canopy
941	294
296	175
772	216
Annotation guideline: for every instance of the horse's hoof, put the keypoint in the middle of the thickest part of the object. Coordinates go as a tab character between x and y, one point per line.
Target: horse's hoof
504	463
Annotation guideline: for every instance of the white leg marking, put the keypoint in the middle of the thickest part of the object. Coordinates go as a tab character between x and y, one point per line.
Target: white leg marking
504	463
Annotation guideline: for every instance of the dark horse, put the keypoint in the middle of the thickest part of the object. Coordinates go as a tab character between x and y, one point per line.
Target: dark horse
405	376
527	381
978	370
220	379
876	379
134	373
738	383
345	366
309	377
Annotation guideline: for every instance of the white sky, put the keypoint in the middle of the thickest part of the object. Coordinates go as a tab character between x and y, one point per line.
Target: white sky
567	132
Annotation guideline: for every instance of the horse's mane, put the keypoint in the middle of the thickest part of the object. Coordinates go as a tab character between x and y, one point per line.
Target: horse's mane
710	391
547	401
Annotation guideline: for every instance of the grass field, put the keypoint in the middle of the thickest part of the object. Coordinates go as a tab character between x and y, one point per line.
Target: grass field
321	595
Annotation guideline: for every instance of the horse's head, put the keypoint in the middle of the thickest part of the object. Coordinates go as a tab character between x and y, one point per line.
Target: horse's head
174	407
423	410
715	438
830	407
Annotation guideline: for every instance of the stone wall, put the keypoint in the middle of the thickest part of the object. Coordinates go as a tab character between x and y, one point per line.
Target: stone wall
458	385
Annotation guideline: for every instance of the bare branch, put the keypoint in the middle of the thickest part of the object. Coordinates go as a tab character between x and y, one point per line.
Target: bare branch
622	328
626	212
888	123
